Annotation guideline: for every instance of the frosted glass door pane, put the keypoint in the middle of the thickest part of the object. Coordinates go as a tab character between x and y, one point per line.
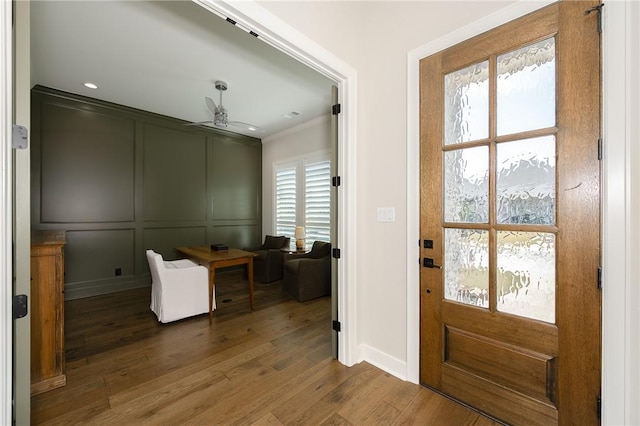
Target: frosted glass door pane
466	266
526	181
527	88
466	104
526	279
466	185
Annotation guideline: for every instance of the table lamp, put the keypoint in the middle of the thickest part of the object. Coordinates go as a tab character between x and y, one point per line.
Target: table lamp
299	237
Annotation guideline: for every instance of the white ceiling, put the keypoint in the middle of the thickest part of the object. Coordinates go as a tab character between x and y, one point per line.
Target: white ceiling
163	57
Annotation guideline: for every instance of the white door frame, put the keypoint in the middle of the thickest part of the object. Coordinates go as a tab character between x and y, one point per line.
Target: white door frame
6	219
248	15
620	200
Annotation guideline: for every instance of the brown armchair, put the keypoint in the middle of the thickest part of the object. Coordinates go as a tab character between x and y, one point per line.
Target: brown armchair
267	266
308	276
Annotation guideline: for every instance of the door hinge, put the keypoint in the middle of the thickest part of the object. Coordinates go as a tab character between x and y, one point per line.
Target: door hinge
599	148
599	278
335	181
335	109
20	306
20	137
598	9
335	253
336	325
599	406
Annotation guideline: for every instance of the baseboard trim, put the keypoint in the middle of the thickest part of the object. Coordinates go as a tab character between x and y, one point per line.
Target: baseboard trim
394	366
82	289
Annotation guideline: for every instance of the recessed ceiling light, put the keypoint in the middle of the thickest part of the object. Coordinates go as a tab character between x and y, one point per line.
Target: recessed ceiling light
251	128
90	85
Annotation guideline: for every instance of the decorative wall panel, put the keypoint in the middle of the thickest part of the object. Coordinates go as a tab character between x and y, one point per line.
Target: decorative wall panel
96	254
99	148
175	170
236	235
236	181
165	240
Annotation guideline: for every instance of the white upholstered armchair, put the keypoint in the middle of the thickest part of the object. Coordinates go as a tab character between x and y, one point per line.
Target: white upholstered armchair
179	288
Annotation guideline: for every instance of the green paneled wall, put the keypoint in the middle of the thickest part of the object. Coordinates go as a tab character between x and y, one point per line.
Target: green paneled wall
174	174
121	180
87	161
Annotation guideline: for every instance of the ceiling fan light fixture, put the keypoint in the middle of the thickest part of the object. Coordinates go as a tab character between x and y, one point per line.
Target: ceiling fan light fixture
220	118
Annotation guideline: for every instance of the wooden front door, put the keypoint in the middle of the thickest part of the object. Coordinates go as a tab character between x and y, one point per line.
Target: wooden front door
510	300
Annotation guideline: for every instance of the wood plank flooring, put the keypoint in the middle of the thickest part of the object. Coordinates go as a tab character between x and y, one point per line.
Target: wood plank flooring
272	366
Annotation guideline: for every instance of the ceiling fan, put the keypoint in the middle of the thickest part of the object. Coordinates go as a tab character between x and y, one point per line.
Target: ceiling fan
220	118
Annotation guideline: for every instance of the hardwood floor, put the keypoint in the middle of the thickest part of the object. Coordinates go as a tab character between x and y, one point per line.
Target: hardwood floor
272	366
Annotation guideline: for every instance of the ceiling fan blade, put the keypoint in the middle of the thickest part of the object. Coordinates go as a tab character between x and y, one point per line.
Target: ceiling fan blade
198	123
247	126
211	105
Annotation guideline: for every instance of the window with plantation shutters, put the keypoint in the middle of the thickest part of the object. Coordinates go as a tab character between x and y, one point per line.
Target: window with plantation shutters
302	191
285	193
317	201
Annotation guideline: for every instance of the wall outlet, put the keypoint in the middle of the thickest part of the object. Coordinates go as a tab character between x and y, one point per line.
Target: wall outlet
118	272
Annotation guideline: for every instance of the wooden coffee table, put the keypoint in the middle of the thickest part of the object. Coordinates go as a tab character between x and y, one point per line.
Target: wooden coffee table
220	259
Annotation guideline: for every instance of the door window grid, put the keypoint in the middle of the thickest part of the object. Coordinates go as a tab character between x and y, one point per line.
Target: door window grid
466	186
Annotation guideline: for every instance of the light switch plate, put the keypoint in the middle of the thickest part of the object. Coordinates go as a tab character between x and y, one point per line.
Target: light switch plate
386	214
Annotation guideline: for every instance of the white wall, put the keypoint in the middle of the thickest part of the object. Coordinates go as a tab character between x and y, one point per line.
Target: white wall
310	137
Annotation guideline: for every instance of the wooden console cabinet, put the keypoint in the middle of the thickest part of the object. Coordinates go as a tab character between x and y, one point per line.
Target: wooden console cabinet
47	311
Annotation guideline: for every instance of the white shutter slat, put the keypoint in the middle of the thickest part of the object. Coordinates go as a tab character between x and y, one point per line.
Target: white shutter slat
317	201
285	201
